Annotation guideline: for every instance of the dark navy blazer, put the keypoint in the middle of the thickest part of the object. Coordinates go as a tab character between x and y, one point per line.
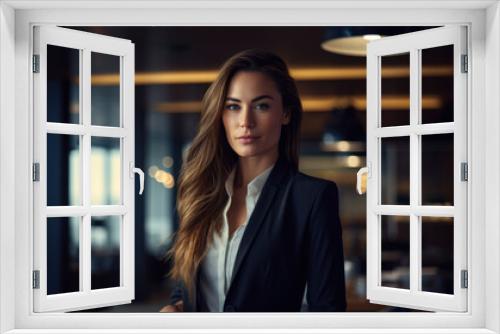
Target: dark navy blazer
293	236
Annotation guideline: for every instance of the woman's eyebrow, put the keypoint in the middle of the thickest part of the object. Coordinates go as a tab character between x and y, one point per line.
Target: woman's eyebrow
253	100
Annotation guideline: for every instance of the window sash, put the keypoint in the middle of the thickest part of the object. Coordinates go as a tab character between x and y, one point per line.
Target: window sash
86	43
412	43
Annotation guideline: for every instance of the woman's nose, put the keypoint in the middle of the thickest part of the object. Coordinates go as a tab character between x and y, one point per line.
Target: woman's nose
246	117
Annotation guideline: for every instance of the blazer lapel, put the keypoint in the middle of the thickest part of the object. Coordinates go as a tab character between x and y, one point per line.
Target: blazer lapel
276	178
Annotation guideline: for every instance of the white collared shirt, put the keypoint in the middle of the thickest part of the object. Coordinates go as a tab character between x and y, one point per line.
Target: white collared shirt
217	266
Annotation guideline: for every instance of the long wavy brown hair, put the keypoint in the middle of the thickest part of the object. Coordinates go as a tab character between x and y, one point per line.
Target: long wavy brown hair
201	193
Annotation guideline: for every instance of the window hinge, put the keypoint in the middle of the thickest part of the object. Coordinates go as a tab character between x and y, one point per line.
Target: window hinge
464	171
465	279
36	63
36	279
36	171
465	67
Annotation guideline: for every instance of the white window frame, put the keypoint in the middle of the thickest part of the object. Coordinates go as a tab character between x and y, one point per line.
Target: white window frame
123	50
414	44
16	20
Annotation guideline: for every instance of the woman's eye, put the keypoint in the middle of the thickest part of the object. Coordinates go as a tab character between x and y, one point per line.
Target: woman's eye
230	107
263	106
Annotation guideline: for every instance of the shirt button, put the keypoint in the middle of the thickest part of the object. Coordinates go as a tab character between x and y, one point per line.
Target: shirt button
229	308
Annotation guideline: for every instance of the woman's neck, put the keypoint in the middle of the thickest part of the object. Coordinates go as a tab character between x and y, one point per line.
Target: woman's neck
250	167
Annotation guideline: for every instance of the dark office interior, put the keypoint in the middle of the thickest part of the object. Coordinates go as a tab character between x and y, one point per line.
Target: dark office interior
174	66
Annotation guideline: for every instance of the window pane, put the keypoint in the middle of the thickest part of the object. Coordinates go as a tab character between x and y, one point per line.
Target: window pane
63	170
437	254
105	261
63	254
63	84
437	169
105	171
105	90
437	84
395	170
395	89
395	251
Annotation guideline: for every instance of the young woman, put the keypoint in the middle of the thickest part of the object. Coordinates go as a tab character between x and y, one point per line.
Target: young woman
254	231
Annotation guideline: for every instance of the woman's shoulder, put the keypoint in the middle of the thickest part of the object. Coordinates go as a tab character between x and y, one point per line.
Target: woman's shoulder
312	184
306	190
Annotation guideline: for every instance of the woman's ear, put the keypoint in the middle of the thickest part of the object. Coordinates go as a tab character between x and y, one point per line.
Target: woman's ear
286	117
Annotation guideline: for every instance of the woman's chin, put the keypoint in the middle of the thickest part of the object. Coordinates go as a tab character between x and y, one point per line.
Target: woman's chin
252	153
247	155
247	152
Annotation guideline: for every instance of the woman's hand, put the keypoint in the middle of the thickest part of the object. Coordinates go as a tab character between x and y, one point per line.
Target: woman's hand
177	307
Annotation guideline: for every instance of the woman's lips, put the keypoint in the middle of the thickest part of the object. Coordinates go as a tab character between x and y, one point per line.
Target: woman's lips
247	139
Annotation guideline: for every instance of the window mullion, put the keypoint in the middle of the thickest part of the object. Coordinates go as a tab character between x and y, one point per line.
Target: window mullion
419	210
415	242
421	129
85	245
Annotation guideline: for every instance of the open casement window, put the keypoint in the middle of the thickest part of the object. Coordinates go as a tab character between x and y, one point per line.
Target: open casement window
417	165
83	170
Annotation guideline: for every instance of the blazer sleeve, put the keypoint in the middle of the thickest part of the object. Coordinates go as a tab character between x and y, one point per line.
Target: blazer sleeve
176	294
325	272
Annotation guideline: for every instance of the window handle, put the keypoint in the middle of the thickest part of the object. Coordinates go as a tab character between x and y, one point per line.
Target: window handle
361	178
135	170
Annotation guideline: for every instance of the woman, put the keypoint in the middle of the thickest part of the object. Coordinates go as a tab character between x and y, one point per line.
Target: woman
253	229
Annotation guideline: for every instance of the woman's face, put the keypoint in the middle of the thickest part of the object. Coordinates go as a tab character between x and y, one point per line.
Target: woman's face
253	115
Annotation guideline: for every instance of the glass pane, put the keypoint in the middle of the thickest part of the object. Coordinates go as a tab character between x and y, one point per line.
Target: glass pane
395	170
395	89
437	254
63	84
63	170
437	84
437	169
105	258
63	254
395	251
105	99
105	174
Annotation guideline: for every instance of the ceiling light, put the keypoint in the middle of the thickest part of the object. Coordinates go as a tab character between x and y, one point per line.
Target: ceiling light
349	41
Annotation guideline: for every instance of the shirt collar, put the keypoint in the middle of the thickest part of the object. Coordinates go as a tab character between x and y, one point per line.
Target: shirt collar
254	187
